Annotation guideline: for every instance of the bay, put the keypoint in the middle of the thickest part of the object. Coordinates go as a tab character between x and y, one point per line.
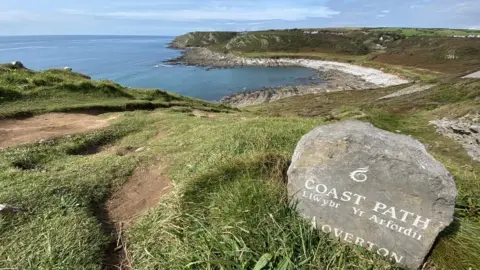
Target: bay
137	61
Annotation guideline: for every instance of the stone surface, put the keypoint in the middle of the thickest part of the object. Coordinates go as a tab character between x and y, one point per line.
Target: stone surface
17	65
464	131
475	75
4	208
372	188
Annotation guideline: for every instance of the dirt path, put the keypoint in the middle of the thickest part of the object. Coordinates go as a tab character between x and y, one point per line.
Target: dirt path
409	90
47	126
475	75
142	192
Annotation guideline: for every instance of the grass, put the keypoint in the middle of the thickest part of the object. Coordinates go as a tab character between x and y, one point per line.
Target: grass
229	208
411	115
25	92
233	211
409	32
57	228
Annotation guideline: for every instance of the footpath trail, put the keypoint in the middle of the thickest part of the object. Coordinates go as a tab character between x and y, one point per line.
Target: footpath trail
143	191
48	126
475	75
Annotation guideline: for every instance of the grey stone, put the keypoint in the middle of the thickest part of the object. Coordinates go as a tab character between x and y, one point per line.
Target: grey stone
475	128
4	208
372	188
459	129
17	65
464	131
139	149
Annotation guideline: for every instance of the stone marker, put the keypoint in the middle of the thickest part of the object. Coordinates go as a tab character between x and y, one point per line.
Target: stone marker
372	188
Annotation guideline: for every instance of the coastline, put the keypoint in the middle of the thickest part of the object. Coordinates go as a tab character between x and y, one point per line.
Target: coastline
337	76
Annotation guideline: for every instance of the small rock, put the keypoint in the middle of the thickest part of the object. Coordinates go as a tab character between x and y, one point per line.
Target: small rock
4	208
17	65
139	149
460	130
475	128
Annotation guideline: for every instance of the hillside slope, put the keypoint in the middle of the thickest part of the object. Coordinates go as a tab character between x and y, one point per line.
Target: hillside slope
24	92
227	207
432	49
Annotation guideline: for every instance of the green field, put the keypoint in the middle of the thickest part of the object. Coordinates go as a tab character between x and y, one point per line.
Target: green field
430	31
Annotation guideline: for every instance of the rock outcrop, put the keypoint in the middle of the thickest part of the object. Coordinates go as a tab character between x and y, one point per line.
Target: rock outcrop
333	81
465	131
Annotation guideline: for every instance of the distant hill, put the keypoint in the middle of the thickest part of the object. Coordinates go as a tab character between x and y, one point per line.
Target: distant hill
445	50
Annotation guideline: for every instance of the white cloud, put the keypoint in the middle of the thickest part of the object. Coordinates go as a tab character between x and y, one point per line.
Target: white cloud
18	15
386	11
217	13
462	7
381	15
416	6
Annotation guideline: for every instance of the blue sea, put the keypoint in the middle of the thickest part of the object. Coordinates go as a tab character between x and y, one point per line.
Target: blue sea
138	61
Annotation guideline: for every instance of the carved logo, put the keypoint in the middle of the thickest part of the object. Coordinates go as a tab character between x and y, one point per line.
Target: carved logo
359	175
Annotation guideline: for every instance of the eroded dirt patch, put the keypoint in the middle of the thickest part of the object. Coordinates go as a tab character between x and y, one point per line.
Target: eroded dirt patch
143	191
203	114
48	126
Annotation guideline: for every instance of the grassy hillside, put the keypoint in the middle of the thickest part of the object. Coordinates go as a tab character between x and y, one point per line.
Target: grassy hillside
201	39
229	208
433	49
24	92
438	32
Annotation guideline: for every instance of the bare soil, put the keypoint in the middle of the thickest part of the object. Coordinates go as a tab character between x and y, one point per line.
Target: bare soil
202	114
48	126
142	191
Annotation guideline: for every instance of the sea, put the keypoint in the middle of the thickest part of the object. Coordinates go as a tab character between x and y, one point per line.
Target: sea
139	61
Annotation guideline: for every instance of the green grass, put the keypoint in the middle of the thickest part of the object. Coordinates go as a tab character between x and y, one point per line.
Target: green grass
233	209
25	92
429	31
57	228
411	115
229	208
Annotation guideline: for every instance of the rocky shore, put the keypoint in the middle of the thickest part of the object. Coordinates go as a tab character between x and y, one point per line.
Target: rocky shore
336	76
333	81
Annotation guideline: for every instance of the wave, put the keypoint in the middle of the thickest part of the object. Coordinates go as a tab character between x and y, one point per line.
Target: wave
27	48
162	65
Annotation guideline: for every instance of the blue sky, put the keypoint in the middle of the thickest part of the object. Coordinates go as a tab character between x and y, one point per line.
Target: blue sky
173	17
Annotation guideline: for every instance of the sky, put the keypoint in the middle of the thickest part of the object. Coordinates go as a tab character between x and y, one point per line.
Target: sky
174	17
